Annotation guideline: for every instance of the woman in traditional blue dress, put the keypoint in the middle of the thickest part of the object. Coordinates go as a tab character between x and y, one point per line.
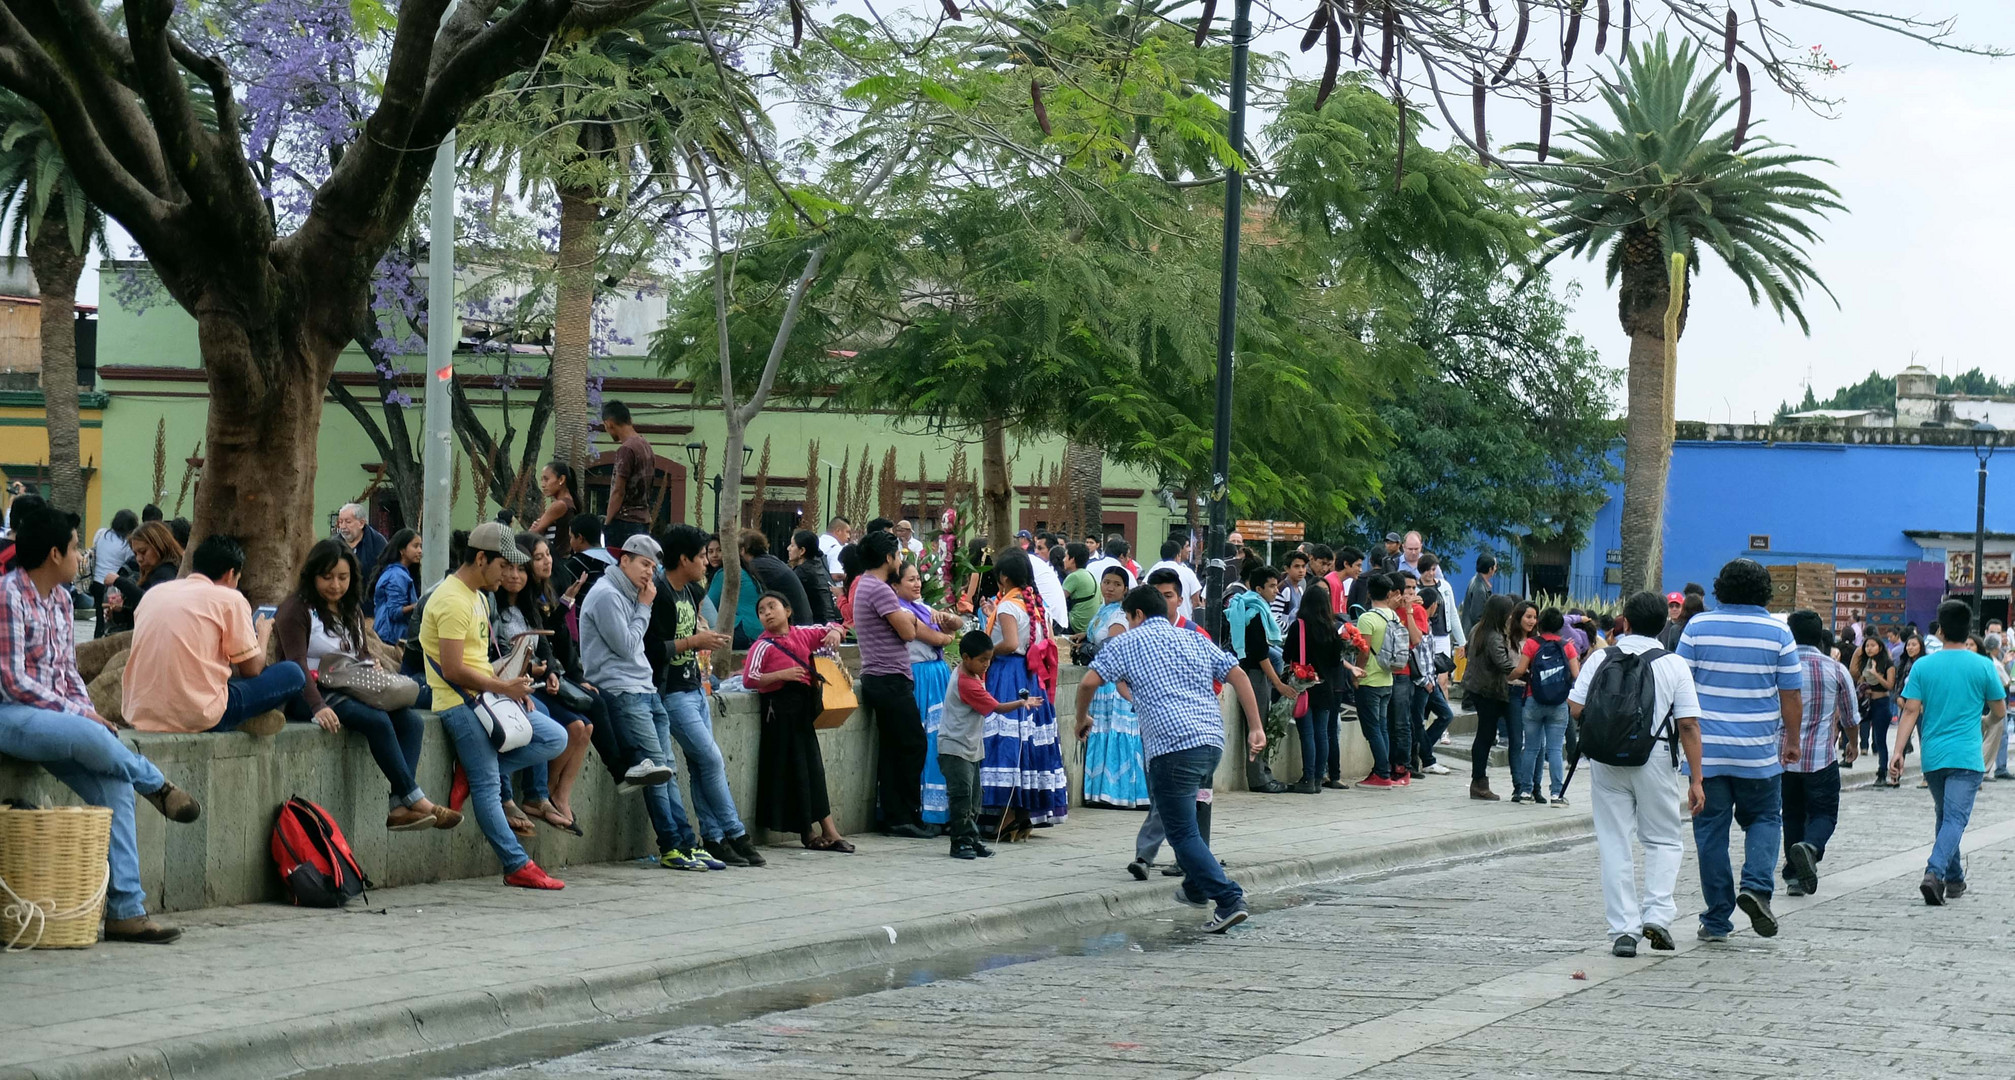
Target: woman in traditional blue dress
1115	771
1022	783
927	668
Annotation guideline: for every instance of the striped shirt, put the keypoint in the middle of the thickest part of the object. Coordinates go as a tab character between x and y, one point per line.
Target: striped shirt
1827	702
1741	658
1170	672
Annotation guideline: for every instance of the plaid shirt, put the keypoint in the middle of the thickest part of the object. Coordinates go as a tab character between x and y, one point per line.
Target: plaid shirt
1171	672
1829	709
38	652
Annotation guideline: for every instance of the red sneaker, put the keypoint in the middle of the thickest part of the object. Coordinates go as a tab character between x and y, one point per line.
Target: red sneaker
1401	777
529	876
1377	781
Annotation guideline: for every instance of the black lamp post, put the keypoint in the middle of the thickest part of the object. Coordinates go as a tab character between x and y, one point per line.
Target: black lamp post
1983	448
1227	331
693	450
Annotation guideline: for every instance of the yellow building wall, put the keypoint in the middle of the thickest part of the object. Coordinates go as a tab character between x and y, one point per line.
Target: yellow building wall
24	448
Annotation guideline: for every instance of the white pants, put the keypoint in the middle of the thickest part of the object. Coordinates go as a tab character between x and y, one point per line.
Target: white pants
1641	802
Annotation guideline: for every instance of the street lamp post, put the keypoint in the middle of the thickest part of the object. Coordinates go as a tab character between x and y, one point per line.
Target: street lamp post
1227	329
693	451
1983	448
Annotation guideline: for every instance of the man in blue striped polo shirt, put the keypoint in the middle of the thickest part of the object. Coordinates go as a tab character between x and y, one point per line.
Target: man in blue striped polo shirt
1746	672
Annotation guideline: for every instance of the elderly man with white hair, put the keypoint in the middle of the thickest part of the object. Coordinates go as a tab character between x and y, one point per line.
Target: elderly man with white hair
353	525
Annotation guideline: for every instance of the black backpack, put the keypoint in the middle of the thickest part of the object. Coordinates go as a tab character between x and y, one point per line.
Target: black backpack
1550	681
1620	721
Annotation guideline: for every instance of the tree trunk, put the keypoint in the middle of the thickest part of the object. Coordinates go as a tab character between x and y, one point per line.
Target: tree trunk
995	494
1647	441
1086	465
731	537
573	323
258	478
57	266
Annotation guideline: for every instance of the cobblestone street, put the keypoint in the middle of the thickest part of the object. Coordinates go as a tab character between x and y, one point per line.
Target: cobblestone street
1483	968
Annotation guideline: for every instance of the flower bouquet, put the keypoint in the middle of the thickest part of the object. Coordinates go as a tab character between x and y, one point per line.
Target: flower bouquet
1280	718
1355	648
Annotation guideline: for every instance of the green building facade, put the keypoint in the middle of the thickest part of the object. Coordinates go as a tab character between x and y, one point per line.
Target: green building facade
149	372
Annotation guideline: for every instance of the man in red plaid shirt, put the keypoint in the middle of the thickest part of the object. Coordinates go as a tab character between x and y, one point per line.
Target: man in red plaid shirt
1812	783
46	717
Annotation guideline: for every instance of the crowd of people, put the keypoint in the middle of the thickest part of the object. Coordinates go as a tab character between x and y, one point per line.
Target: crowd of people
580	634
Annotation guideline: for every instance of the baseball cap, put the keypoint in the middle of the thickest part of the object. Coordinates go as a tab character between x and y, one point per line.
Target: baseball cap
1675	598
1392	538
497	540
643	545
1024	534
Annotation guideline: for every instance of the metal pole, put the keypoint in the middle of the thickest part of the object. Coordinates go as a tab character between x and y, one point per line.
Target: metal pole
1980	546
1227	331
438	446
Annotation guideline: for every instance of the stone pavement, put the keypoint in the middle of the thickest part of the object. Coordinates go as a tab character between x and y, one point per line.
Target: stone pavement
262	990
1495	968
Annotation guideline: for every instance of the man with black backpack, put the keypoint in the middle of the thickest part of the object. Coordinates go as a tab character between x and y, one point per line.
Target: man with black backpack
1634	700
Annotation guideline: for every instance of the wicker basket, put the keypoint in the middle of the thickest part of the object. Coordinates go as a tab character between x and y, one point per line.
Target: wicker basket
53	875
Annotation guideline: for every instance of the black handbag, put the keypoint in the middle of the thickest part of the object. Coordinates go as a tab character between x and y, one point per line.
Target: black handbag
574	698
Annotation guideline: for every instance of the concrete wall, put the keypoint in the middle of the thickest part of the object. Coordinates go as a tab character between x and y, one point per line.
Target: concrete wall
241	781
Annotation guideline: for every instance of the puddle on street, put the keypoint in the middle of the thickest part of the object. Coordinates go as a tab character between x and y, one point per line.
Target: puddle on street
1141	935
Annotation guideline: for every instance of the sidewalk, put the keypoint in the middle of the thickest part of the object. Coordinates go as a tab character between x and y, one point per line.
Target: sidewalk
263	990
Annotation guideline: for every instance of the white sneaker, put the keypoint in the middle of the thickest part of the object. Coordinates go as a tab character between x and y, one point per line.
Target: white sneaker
1444	741
646	773
1438	769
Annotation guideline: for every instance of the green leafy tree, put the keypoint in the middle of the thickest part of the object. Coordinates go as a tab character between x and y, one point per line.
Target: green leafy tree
1506	426
53	223
1661	177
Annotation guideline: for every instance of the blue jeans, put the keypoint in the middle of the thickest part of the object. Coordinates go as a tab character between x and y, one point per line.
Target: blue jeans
693	730
647	728
262	693
1425	736
1514	733
2000	738
1756	806
1314	727
103	771
1373	702
1952	792
394	739
484	766
1172	783
1544	732
1399	724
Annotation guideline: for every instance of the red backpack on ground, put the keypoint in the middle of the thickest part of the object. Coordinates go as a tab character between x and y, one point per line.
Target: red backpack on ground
314	859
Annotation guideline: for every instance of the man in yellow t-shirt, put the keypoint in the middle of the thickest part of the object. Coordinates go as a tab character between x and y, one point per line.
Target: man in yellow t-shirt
455	636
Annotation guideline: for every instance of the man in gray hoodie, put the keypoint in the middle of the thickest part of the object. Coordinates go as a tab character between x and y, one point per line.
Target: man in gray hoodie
614	618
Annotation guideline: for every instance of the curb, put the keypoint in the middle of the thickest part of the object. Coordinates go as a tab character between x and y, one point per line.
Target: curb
379	1032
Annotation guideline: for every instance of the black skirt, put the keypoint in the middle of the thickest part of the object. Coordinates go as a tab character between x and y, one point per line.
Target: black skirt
790	772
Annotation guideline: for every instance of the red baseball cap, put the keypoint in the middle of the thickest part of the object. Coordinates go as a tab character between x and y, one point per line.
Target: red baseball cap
1675	598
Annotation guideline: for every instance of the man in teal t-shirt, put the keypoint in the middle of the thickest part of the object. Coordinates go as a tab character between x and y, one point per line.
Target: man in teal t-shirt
1955	696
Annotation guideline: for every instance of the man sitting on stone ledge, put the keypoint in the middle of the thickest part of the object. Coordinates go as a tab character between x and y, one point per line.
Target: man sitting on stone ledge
198	663
46	717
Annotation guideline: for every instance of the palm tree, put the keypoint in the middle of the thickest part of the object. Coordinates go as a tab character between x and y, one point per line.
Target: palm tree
606	124
1660	180
53	223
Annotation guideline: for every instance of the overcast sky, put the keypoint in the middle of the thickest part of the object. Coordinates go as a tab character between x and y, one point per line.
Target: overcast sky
1920	264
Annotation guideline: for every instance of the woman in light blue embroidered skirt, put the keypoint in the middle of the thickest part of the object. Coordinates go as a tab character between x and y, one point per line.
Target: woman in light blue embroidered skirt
1115	773
927	668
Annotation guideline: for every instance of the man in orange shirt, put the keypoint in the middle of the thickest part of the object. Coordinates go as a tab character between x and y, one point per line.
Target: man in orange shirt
198	661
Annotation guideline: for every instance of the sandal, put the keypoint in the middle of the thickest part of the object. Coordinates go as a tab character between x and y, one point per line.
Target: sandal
840	846
519	823
550	814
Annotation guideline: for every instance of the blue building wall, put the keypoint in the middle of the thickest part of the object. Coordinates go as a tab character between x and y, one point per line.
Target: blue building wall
1818	502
